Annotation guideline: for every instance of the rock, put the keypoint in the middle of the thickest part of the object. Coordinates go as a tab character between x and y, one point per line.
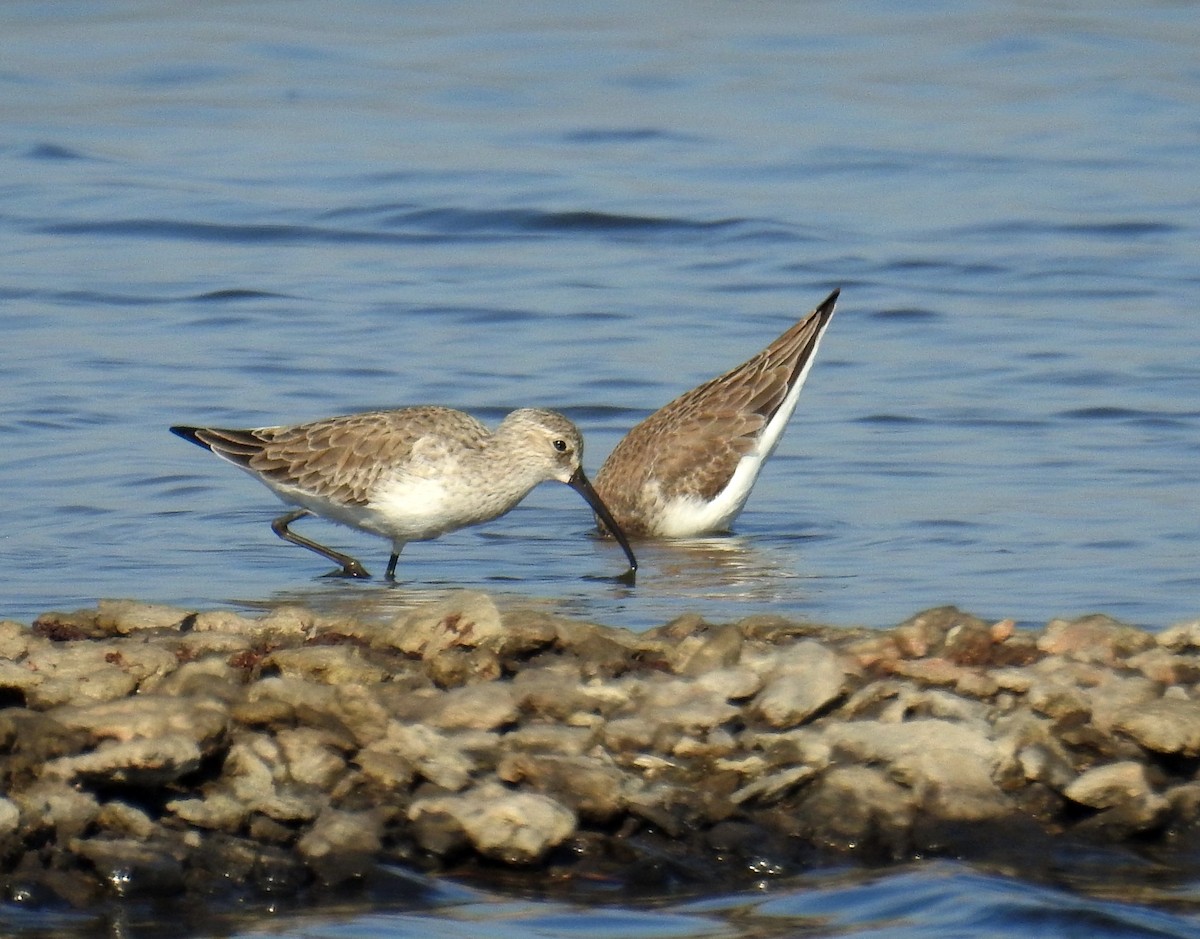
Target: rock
272	752
770	787
1113	784
314	757
717	648
1095	638
404	752
131	867
1167	725
255	773
202	720
75	672
590	787
220	811
327	665
465	619
10	819
948	766
803	680
1123	793
512	827
144	762
56	806
925	633
342	845
475	707
1181	637
15	640
858	807
123	617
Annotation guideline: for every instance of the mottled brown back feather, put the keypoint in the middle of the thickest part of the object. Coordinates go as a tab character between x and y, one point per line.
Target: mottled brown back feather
692	445
340	458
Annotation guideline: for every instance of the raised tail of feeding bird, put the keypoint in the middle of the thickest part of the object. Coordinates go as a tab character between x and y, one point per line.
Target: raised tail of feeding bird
688	468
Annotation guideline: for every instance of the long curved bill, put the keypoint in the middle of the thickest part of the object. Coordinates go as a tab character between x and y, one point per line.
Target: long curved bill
579	482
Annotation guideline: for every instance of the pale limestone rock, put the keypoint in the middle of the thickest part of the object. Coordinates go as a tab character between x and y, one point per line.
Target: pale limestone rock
73	673
513	827
340	844
145	761
1093	638
475	707
337	665
805	679
405	751
1112	784
15	641
220	811
313	756
1168	725
203	720
592	787
129	616
466	619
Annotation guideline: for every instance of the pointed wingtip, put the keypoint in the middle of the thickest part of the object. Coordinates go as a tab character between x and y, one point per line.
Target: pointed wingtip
829	301
190	434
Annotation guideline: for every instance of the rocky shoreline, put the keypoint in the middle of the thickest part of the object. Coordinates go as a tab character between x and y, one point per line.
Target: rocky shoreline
147	750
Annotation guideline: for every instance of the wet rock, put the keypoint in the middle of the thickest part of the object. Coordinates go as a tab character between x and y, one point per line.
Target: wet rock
293	747
57	807
771	787
141	762
220	811
1126	797
130	867
513	827
858	806
341	845
10	820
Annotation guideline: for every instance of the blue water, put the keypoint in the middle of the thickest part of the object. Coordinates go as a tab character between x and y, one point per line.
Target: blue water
245	214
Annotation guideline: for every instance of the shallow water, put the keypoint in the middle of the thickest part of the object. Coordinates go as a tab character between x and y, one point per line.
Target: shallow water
249	214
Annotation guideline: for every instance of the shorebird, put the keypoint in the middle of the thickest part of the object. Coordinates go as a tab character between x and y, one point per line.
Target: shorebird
408	474
689	467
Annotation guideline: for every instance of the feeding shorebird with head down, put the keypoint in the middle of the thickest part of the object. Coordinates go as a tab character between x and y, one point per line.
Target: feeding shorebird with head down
409	474
688	468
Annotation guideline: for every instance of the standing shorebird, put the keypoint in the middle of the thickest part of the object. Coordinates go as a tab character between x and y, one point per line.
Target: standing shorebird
409	474
689	467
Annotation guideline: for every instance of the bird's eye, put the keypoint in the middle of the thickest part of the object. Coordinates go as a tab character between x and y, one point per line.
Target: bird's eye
560	446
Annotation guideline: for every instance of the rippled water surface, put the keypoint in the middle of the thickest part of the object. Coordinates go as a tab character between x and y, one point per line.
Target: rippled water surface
243	214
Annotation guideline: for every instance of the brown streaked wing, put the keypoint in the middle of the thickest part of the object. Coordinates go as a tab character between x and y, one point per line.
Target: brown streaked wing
343	458
692	445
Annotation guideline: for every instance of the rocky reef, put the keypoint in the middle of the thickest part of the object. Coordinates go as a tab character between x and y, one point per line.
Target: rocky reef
153	749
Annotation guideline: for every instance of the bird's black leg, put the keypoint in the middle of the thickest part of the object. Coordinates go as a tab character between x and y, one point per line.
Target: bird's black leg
391	568
350	567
